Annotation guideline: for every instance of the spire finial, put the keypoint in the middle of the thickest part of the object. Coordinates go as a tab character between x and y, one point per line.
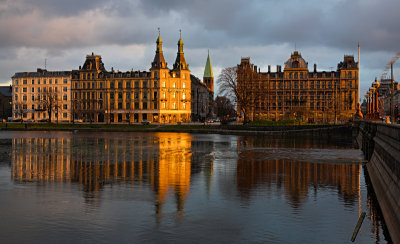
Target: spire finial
158	31
208	52
180	33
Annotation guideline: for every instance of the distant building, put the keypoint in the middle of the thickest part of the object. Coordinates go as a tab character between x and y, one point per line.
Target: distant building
38	94
5	102
297	93
203	94
160	95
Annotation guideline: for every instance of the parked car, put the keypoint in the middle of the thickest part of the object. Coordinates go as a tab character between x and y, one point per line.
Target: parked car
145	122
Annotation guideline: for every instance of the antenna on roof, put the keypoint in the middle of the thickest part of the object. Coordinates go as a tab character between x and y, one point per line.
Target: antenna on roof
180	33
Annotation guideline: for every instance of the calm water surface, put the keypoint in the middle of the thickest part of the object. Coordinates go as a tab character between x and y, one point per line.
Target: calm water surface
182	188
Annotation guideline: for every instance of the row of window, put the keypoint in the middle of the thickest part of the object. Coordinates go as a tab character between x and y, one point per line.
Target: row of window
88	95
123	84
137	105
25	106
25	89
44	115
39	81
40	98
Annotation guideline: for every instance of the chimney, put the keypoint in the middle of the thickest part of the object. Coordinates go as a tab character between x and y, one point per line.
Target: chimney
315	68
255	68
269	68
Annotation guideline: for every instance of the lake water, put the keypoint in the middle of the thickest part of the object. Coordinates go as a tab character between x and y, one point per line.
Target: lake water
64	187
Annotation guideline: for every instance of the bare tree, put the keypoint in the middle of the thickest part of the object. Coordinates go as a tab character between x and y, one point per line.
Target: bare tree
224	108
49	101
240	92
19	110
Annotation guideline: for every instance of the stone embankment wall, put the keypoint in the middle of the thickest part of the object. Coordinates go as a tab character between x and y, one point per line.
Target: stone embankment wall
381	146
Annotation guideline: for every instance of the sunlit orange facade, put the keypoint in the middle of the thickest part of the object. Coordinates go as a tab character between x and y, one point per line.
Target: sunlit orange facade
160	95
297	93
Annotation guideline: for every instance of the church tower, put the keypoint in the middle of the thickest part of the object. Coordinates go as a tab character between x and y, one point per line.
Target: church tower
180	62
208	77
159	61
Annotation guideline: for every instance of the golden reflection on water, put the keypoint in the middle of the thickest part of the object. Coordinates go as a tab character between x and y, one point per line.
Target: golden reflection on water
166	163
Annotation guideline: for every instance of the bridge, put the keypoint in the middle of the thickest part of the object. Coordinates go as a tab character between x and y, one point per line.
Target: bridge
380	144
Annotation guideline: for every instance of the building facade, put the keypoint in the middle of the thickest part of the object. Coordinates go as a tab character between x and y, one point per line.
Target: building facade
297	93
5	102
42	95
160	95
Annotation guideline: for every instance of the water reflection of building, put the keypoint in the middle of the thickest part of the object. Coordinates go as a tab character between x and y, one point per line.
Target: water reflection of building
297	178
163	161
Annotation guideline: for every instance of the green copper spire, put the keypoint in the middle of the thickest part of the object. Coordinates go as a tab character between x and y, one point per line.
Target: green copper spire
208	69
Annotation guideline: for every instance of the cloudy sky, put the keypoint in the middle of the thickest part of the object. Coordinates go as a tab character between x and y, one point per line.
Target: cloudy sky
124	33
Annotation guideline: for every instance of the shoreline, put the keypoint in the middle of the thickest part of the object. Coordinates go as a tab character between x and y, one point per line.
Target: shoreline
208	129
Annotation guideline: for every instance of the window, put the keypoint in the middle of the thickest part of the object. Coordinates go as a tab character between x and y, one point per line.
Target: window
38	81
16	97
112	84
173	94
119	105
16	82
55	89
137	105
33	89
119	95
44	81
155	105
128	84
112	95
155	95
50	81
163	95
136	84
33	82
64	89
16	89
65	81
136	95
55	81
145	84
24	98
155	84
64	115
120	85
183	96
128	105
184	85
163	105
24	89
65	106
24	106
33	107
173	85
174	105
65	97
144	95
128	95
33	98
163	84
25	82
184	105
144	105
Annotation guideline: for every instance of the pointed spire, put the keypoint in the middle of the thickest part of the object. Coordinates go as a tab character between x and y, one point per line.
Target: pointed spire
208	77
208	69
159	61
180	62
